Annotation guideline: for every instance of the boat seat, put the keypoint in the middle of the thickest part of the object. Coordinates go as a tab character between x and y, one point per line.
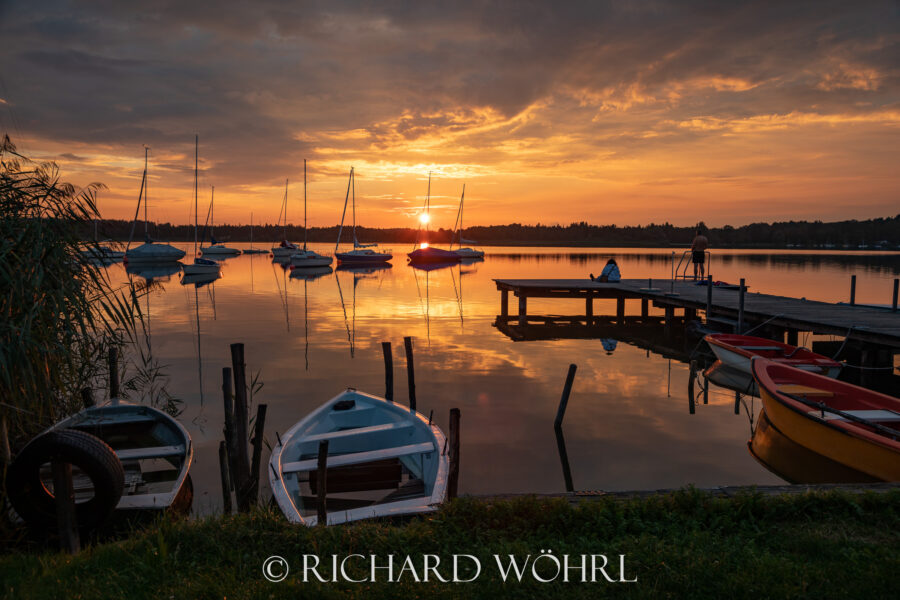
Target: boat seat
396	426
878	416
762	348
358	457
803	390
153	452
381	475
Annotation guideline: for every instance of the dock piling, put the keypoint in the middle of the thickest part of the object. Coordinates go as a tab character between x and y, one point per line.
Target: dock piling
259	430
226	480
852	290
709	287
113	372
410	372
620	310
230	439
894	302
321	482
523	310
564	400
242	460
453	476
64	494
692	376
388	371
740	323
504	303
589	309
737	403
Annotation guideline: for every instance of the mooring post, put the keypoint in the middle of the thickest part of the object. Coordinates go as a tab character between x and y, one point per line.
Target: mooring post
894	302
709	287
504	303
453	476
410	372
388	371
740	323
564	400
226	480
645	309
852	290
113	372
64	494
620	310
692	376
5	453
705	390
670	316
228	430
259	431
523	309
792	337
321	482
564	459
589	309
242	460
737	403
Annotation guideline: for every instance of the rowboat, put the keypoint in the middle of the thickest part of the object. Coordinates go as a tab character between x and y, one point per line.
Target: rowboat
383	460
794	463
737	350
850	425
730	378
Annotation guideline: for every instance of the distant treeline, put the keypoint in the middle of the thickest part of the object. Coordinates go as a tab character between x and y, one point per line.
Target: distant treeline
872	233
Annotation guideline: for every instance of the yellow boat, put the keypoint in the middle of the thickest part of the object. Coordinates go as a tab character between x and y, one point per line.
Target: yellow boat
847	424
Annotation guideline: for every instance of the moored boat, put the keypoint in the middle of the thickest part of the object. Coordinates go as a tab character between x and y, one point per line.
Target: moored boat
429	254
853	426
149	251
362	254
383	460
306	258
737	350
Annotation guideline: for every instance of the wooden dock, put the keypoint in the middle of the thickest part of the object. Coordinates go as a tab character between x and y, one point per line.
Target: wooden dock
875	327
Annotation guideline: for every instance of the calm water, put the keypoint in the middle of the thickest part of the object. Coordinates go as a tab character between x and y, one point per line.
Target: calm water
627	424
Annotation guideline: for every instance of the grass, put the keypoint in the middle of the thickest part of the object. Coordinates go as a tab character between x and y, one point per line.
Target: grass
683	545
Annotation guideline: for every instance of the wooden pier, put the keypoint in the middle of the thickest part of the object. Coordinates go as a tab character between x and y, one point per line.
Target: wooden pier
682	301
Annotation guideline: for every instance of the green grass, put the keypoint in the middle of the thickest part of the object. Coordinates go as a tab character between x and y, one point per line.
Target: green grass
683	545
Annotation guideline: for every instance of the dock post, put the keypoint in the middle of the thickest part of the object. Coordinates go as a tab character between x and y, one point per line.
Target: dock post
670	316
692	376
388	371
113	372
523	310
620	310
792	337
242	460
64	493
709	287
504	303
453	476
410	372
226	480
321	482
564	400
589	309
852	290
894	302
645	309
259	430
230	439
737	403
690	314
740	323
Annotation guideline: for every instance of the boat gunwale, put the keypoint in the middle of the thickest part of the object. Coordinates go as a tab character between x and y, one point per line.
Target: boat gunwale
813	358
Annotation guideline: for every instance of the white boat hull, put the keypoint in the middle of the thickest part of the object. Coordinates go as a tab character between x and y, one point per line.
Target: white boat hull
282	252
305	261
220	250
153	253
469	253
200	269
741	363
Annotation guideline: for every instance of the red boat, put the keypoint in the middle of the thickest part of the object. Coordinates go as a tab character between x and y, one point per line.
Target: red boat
736	351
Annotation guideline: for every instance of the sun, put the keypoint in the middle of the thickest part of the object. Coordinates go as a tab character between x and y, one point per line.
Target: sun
424	218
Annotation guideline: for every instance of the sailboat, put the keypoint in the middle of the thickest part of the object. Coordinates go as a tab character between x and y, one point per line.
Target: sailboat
200	266
285	249
149	252
98	252
251	249
215	247
308	258
425	253
361	253
464	252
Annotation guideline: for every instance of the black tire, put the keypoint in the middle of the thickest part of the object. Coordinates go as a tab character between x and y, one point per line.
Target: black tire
34	502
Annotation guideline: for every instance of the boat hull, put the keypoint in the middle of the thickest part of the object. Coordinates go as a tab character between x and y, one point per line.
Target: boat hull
736	351
220	250
363	259
153	253
283	252
469	253
841	441
426	255
308	260
201	268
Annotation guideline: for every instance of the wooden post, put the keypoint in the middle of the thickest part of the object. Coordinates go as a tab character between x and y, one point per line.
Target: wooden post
737	403
564	459
589	309
226	480
64	493
321	483
388	371
709	287
242	460
87	397
690	314
113	372
852	290
5	453
230	438
453	476
620	310
792	337
692	376
740	323
504	303
645	309
705	390
523	309
259	431
894	302
564	400
410	372
670	316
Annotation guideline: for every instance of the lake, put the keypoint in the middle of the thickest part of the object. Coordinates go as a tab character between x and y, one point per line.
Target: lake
627	426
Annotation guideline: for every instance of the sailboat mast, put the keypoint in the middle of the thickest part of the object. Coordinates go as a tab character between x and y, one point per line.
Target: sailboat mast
146	193
461	204
305	228
212	213
285	208
428	205
353	181
344	213
251	230
196	177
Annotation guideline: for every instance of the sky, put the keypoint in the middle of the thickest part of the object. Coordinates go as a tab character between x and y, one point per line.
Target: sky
548	112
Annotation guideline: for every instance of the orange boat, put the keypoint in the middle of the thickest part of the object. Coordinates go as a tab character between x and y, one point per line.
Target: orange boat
850	425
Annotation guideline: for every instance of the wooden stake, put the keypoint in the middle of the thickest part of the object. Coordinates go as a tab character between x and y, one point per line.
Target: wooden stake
709	287
388	371
737	403
242	460
5	454
226	480
113	372
453	477
230	439
852	290
410	372
64	493
564	400
896	288
321	482
692	376
259	431
740	323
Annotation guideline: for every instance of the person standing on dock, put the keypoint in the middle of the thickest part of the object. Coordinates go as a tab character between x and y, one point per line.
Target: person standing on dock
698	254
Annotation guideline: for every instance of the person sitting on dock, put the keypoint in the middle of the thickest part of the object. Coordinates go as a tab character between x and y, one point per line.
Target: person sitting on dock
610	273
698	254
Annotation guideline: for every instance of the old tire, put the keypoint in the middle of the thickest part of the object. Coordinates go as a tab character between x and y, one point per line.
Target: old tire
34	502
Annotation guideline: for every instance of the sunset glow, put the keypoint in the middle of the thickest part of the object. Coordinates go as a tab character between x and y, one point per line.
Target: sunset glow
424	218
607	114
